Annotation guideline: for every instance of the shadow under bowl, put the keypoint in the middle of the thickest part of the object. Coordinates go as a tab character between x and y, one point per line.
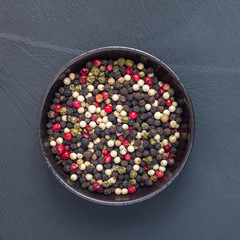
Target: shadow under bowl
164	73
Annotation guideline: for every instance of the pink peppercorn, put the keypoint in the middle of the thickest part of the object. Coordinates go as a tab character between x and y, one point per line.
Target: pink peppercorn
60	149
57	108
129	70
109	67
131	189
65	155
168	102
77	104
74	167
159	174
83	79
97	62
127	157
136	77
56	127
133	115
97	187
108	108
68	136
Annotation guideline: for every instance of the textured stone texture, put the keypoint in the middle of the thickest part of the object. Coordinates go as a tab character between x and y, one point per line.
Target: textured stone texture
198	39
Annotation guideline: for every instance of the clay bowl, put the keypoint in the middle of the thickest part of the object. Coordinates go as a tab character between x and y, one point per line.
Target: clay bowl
164	73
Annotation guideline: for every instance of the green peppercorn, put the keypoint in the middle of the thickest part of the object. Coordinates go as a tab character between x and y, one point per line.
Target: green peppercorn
93	180
77	88
121	170
73	119
115	63
71	87
63	111
153	141
51	139
77	125
171	91
115	168
148	159
91	78
115	69
95	71
144	134
133	174
172	99
102	79
74	132
125	119
105	184
129	63
132	181
145	126
121	61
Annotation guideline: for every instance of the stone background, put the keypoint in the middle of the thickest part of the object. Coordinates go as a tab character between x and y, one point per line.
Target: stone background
199	40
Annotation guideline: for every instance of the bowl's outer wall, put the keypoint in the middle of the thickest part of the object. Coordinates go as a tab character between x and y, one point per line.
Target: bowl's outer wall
163	73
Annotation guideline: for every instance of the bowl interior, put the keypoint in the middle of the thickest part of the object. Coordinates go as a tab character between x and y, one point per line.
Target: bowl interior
164	74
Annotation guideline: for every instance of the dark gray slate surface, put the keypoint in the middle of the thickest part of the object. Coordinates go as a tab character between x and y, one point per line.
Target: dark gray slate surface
198	39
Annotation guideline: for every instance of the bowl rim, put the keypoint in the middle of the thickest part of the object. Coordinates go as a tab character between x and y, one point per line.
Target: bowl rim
44	97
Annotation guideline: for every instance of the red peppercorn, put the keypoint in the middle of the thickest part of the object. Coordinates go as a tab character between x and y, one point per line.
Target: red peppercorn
148	81
107	159
126	143
77	104
57	108
96	104
121	138
108	108
105	95
109	67
68	136
99	98
129	70
136	77
74	167
127	157
97	62
60	149
83	79
133	115
66	147
79	120
167	148
165	86
86	136
161	91
88	128
130	128
105	152
66	155
56	127
145	168
131	189
159	174
97	187
168	102
85	71
94	117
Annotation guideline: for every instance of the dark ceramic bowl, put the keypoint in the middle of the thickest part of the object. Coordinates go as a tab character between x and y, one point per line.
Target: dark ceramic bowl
164	73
